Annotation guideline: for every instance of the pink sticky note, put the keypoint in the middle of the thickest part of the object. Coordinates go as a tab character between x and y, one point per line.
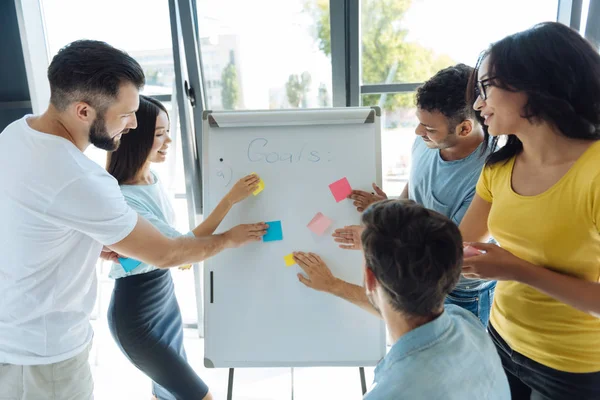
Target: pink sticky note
319	224
340	189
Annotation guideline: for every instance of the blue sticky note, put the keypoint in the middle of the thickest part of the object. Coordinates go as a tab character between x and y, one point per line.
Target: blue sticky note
129	264
274	232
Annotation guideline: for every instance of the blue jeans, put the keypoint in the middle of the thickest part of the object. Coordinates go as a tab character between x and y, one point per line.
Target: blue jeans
478	301
530	380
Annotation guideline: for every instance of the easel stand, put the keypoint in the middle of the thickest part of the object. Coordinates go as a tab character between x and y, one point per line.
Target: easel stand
361	371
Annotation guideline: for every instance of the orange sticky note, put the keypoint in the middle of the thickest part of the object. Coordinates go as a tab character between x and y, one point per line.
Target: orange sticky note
261	186
289	260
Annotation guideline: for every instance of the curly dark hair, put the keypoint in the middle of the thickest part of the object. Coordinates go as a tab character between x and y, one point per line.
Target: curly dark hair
415	254
445	92
558	70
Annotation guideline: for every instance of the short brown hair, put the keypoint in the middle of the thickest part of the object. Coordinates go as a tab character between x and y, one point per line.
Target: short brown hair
415	254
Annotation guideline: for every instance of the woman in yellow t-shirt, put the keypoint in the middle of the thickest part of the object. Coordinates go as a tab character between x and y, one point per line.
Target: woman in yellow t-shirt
539	197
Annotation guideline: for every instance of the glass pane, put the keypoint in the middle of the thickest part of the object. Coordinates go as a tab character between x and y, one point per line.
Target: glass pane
184	280
408	41
140	27
265	62
398	122
585	10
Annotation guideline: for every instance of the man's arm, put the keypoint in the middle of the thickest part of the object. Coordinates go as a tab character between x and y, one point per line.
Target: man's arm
94	205
473	226
354	294
320	278
147	244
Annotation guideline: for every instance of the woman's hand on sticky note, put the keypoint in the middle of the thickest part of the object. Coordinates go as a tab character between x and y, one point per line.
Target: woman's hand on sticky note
348	237
243	188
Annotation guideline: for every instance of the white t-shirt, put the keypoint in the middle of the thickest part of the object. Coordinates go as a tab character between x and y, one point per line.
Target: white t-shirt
57	209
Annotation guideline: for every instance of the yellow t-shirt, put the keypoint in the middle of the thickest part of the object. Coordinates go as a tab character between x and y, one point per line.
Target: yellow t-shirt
558	229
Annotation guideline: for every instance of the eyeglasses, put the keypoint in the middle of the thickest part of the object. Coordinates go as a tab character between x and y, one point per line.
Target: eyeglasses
482	85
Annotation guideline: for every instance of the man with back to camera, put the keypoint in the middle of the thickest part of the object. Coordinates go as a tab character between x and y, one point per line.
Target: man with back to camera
59	209
447	159
413	259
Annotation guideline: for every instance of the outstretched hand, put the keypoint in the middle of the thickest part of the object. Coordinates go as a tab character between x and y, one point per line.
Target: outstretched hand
319	276
363	199
348	237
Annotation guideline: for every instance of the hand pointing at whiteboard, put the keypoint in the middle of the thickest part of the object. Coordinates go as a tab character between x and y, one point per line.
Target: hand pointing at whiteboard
348	237
319	276
363	199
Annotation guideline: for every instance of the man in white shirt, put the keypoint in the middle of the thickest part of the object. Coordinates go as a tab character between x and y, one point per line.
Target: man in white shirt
58	210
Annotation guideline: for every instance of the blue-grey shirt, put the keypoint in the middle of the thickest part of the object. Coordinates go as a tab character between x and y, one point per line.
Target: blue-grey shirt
447	187
151	202
449	358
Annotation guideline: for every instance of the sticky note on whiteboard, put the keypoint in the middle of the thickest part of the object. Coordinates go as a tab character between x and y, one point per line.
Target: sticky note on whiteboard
261	185
340	189
274	232
319	224
289	260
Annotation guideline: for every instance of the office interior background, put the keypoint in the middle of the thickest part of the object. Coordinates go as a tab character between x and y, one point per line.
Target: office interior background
263	54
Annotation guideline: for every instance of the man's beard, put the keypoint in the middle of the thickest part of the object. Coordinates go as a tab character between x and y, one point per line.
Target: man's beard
99	136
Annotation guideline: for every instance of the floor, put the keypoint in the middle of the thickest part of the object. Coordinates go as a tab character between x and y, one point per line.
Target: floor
116	379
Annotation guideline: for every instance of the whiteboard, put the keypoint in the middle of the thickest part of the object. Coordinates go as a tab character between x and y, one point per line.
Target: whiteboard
256	312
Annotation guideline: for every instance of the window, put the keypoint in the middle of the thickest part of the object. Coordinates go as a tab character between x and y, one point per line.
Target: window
407	41
404	42
264	61
140	27
398	124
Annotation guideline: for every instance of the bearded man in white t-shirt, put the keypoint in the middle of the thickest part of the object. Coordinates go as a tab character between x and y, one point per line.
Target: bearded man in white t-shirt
60	210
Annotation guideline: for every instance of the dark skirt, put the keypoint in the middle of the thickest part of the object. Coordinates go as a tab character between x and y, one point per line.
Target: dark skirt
145	321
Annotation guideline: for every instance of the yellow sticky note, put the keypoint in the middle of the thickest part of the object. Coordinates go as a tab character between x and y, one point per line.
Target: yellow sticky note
289	260
260	188
187	266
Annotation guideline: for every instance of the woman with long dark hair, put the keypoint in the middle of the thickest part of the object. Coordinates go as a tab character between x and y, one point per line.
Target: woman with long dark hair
144	317
539	197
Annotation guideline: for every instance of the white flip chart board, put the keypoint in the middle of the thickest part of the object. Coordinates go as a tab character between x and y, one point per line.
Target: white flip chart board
257	313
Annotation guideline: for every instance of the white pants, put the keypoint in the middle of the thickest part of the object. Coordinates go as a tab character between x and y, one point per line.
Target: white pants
66	380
